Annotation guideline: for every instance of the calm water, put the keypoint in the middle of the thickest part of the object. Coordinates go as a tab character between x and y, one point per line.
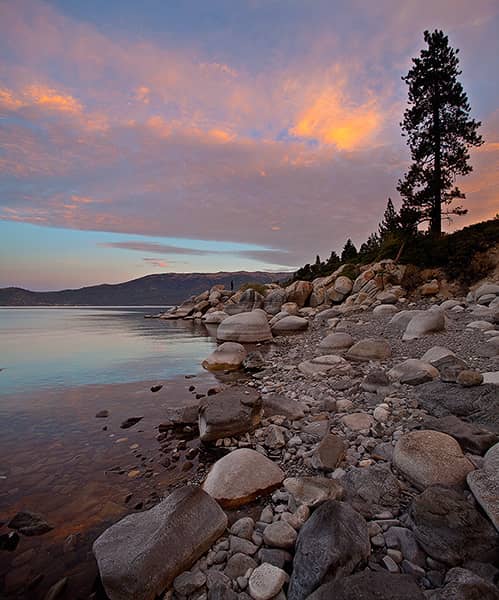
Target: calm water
43	348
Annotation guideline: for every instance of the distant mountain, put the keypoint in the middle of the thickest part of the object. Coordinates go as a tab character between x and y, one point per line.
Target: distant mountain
160	290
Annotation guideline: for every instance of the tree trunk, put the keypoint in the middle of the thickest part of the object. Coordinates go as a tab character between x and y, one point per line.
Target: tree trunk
436	209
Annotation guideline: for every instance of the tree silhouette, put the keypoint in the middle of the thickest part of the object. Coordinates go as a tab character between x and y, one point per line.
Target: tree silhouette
439	131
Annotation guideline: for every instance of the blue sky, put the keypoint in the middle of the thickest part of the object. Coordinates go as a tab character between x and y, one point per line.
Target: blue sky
206	136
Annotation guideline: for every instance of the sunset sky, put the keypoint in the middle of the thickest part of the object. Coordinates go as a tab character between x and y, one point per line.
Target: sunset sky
156	136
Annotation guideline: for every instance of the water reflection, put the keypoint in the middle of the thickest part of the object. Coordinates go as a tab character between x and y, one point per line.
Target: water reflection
50	347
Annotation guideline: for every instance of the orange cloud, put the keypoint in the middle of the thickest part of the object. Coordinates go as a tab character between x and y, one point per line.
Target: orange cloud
52	99
142	94
331	119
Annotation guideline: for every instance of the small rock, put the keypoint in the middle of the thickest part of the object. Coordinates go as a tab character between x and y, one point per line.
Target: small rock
280	535
266	581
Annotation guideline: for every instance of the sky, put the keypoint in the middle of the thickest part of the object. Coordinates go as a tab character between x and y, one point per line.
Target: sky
198	136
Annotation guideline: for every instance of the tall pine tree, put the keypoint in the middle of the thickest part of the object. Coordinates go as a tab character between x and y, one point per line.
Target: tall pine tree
439	129
391	221
349	252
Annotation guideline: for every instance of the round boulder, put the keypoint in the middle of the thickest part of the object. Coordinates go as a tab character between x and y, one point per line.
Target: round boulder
229	356
336	342
430	457
245	327
289	324
242	476
370	349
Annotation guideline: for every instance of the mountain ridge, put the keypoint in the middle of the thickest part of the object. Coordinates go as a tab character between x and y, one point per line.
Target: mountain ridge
156	290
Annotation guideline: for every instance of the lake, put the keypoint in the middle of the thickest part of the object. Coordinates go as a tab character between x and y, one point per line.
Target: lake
42	348
61	368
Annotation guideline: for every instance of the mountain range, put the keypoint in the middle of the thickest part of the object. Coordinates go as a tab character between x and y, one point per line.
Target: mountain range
157	290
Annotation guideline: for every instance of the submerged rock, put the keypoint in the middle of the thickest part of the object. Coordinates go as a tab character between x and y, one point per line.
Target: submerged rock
136	557
229	356
233	411
29	523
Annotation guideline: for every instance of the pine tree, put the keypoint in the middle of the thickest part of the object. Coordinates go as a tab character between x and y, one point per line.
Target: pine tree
391	221
370	249
349	252
439	131
333	262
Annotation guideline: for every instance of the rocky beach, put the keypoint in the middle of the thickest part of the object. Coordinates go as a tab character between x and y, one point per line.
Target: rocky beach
349	450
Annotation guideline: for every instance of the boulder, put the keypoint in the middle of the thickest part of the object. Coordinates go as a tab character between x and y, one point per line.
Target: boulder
450	529
299	292
469	378
329	453
250	300
136	557
400	321
370	349
313	491
484	484
29	523
413	372
215	317
431	288
376	381
430	321
289	324
245	327
229	356
387	297
280	405
274	300
232	411
336	343
370	585
447	363
242	476
488	287
279	535
450	304
343	285
290	308
371	490
481	325
462	584
429	457
330	545
478	404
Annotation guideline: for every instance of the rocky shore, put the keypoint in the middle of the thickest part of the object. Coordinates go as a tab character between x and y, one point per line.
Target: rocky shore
354	455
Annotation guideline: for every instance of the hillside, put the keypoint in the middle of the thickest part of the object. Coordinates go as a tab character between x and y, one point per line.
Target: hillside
160	290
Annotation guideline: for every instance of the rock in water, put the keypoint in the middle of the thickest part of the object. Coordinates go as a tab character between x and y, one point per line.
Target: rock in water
369	585
330	544
430	457
230	412
450	529
29	523
140	556
241	476
246	327
229	356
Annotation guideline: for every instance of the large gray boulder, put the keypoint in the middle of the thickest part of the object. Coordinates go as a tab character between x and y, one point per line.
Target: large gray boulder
242	476
400	321
429	457
140	556
330	545
430	321
450	529
247	327
232	411
370	585
229	356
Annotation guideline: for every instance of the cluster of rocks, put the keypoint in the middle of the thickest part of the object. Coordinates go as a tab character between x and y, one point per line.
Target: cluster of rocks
359	459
